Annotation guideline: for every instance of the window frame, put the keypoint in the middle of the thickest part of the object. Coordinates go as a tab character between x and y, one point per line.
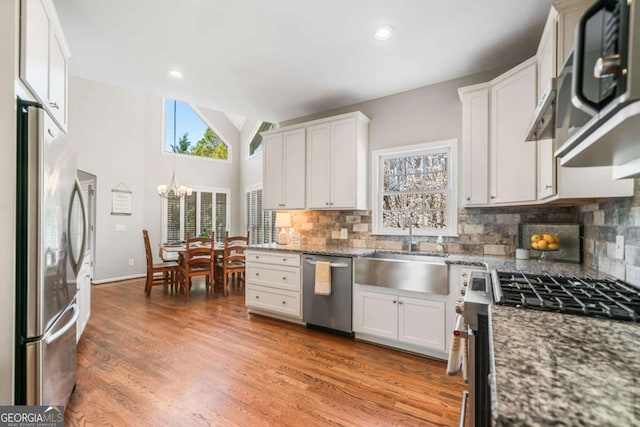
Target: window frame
450	145
214	190
197	110
253	135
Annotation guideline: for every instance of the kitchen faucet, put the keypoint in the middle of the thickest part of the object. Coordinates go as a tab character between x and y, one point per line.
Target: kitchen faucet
404	223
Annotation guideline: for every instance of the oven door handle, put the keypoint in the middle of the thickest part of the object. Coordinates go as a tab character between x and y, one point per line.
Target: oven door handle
463	409
331	264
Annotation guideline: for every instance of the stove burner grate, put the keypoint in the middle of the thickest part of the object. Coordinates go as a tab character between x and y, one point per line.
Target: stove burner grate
572	295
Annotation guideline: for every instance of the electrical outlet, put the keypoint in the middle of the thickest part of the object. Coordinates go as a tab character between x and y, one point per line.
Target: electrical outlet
131	262
343	233
619	247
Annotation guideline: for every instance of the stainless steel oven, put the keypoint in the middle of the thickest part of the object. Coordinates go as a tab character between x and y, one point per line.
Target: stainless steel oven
473	326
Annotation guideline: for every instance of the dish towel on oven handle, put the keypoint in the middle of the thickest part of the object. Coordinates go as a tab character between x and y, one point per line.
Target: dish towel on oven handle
455	363
323	278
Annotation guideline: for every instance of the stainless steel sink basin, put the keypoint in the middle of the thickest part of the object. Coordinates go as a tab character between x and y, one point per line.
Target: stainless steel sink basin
415	272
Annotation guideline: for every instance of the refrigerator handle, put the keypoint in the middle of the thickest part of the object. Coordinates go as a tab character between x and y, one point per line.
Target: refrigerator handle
76	262
52	337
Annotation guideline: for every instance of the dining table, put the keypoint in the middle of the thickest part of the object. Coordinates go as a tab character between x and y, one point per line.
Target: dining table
180	248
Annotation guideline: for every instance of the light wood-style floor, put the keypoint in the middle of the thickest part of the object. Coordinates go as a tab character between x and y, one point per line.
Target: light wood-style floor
164	362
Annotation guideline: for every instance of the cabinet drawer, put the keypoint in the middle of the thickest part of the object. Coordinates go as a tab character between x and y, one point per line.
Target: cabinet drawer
276	258
287	278
284	302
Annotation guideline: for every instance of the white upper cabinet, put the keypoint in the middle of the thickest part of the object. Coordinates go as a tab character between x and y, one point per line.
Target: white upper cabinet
43	57
499	166
475	145
283	170
337	163
317	165
513	161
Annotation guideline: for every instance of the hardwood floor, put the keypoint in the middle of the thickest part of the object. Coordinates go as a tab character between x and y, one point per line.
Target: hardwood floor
165	362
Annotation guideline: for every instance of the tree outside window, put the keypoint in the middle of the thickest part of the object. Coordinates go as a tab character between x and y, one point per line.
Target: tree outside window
187	133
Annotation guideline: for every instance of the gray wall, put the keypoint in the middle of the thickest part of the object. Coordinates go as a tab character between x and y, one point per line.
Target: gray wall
8	73
118	133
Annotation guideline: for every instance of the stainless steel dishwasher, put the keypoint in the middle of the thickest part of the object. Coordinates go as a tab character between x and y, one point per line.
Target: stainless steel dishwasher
328	312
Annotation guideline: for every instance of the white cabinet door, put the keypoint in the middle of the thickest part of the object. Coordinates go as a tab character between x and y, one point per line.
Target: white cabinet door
546	169
273	174
513	171
283	170
294	169
422	322
34	50
343	164
83	298
378	314
58	80
475	146
319	166
546	54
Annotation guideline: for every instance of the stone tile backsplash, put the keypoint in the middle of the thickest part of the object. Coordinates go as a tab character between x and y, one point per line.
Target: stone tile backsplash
494	231
482	231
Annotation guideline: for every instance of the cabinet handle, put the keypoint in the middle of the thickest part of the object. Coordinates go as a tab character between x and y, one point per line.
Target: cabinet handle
284	302
394	301
257	274
400	301
257	296
284	260
468	199
492	197
54	105
326	203
546	187
257	257
284	278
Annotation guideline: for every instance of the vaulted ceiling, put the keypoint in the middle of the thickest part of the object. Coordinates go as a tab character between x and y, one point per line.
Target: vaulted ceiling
280	59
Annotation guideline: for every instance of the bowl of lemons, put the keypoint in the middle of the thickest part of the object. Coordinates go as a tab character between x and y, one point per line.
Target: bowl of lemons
545	242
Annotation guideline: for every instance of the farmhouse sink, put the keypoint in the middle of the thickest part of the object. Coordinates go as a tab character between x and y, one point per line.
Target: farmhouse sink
426	273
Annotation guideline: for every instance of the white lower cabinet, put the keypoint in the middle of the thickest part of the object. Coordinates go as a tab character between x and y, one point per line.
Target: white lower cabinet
83	299
274	284
407	320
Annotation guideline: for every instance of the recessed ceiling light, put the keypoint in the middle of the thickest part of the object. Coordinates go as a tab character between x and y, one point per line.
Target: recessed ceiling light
175	74
384	33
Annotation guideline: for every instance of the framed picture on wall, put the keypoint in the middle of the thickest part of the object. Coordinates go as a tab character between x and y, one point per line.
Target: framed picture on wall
121	200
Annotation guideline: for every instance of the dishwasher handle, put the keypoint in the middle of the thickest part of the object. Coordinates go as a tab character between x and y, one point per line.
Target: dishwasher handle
331	264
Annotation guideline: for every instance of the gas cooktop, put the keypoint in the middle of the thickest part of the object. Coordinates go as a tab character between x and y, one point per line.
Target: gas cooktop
613	299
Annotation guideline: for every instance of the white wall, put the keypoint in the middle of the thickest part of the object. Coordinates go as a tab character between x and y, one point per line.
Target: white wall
8	73
119	135
107	125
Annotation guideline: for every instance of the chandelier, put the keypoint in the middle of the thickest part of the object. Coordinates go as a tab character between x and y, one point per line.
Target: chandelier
173	190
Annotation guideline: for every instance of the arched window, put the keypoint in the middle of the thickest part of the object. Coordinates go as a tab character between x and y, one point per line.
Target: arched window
186	132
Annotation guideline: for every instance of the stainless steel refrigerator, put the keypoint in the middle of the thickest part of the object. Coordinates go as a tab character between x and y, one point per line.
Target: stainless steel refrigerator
50	244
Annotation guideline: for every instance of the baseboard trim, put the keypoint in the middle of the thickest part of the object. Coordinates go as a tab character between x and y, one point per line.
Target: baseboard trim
117	279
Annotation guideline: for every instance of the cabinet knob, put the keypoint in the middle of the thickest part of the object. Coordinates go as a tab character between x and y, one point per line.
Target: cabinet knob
284	277
284	260
400	301
546	187
492	197
257	296
394	301
284	302
468	199
257	257
326	203
257	274
54	105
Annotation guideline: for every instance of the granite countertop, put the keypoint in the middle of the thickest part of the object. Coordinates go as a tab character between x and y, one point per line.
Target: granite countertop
564	370
315	250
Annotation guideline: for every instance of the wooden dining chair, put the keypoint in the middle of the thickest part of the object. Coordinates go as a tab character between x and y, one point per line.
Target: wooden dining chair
164	273
232	260
198	262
